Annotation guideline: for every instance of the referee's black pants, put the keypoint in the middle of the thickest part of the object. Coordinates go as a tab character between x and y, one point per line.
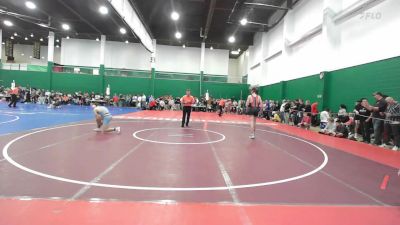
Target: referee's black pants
13	101
186	115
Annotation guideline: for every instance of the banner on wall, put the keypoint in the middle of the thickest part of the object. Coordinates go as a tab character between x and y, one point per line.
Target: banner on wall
9	48
36	50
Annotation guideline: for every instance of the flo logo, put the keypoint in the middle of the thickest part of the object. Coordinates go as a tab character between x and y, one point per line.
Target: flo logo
371	16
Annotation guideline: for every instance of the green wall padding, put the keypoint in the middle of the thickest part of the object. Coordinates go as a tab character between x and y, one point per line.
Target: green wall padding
24	78
271	92
175	87
306	88
76	82
343	86
350	84
226	90
128	85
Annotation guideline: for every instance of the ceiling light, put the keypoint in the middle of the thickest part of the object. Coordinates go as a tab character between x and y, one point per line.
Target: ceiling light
231	39
30	5
42	57
57	40
65	26
97	39
67	37
239	50
211	48
26	38
43	25
31	35
8	23
243	21
57	46
126	41
235	52
103	10
183	46
178	35
41	39
12	38
15	34
22	54
175	16
30	57
122	30
3	43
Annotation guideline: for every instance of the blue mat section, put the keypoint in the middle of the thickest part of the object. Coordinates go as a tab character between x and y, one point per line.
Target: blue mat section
31	116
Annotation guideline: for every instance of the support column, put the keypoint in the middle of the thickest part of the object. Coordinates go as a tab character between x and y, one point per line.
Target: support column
202	58
1	50
331	36
1	46
153	67
102	61
50	59
288	29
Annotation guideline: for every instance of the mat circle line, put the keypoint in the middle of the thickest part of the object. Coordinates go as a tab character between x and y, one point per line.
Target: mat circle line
9	121
217	188
135	135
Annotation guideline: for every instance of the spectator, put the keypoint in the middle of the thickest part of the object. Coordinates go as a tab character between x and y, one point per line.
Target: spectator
162	104
314	114
377	115
324	117
365	121
330	127
153	105
305	121
115	100
275	117
392	123
357	117
341	130
342	114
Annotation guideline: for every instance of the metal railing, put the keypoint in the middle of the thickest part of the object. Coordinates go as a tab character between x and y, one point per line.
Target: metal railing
178	76
23	67
127	73
76	70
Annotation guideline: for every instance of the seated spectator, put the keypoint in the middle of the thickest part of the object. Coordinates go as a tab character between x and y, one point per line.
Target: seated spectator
276	117
305	121
55	103
342	114
341	130
171	104
330	127
161	104
324	118
153	105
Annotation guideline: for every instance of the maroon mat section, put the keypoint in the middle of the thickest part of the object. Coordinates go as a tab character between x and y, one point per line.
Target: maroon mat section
77	152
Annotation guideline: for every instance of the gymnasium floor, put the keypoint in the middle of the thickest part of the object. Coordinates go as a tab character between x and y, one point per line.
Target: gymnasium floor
55	170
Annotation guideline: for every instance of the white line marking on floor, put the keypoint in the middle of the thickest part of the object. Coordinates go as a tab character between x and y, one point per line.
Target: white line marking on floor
9	121
26	169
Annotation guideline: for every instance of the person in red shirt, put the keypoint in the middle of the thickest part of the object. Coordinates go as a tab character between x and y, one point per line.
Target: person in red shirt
187	101
115	100
221	105
305	122
14	97
153	105
314	113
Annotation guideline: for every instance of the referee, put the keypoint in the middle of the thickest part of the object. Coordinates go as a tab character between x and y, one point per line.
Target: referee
187	101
